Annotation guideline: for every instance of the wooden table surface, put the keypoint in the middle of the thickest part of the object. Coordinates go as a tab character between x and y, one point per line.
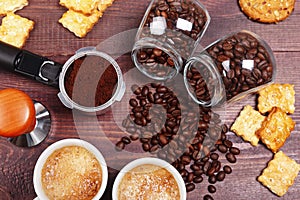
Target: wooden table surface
51	40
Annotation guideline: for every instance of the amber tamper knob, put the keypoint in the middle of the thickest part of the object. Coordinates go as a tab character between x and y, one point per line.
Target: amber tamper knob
23	121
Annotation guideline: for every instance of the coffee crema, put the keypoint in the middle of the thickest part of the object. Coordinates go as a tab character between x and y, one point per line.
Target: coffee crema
71	172
148	182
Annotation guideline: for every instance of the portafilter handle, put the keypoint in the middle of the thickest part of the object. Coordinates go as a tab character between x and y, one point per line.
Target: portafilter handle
35	66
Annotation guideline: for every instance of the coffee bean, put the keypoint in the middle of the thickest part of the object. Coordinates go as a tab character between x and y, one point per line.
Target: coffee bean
126	140
234	151
228	143
190	187
145	91
212	179
120	146
211	189
214	156
231	157
208	197
190	177
227	169
198	179
134	136
221	176
222	148
133	102
146	147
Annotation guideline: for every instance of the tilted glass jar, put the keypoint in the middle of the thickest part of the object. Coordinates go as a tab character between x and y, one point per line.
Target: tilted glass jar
167	36
236	65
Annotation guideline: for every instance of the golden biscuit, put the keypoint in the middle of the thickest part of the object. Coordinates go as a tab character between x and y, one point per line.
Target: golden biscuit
84	6
277	95
267	11
280	174
11	6
79	23
276	129
15	29
247	123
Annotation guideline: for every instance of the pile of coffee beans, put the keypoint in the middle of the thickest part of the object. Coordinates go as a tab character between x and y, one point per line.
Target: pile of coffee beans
235	49
192	141
180	40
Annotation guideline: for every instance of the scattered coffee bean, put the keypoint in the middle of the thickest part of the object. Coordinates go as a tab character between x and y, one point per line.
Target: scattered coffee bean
234	151
227	169
221	176
231	157
190	187
208	197
211	189
120	146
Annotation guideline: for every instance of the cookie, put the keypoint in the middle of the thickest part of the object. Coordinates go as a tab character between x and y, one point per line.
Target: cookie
79	23
280	174
15	29
247	123
11	6
277	95
84	6
267	11
276	129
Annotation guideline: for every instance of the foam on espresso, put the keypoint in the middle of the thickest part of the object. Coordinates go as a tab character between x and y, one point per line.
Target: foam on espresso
148	182
71	172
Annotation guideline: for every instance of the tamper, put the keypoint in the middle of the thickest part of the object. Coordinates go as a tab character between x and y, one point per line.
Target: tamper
24	122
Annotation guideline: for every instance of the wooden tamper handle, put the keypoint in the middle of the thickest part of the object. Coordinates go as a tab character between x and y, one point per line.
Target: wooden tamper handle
17	113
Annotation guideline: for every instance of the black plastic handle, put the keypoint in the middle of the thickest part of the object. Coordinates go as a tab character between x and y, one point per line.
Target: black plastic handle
37	67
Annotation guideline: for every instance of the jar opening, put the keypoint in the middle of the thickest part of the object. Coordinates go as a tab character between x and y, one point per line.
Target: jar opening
203	82
155	59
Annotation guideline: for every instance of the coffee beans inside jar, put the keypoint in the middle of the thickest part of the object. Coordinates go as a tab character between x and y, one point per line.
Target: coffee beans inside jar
167	36
192	142
243	61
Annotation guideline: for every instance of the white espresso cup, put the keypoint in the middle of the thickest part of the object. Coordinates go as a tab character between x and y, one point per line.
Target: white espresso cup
149	161
37	175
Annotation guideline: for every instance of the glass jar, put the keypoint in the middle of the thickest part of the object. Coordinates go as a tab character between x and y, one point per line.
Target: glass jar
167	36
230	68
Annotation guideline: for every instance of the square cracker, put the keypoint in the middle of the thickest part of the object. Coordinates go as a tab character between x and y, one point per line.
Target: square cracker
277	95
7	6
280	173
276	129
84	6
79	23
103	4
15	29
247	123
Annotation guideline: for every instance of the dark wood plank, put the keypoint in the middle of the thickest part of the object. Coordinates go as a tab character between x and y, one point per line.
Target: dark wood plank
50	39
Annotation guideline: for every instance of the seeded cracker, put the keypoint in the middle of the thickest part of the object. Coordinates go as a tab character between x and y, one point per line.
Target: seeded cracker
247	123
7	6
267	11
79	23
84	6
277	95
280	174
276	129
15	29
